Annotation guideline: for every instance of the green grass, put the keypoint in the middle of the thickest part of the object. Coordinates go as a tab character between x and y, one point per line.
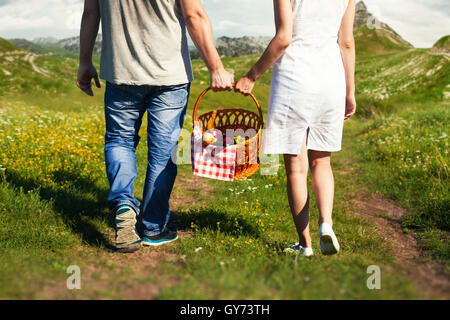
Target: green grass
402	139
53	194
243	232
443	43
377	41
56	90
408	79
53	205
6	46
29	46
405	156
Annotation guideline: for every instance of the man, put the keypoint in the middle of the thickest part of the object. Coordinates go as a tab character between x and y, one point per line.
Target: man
145	62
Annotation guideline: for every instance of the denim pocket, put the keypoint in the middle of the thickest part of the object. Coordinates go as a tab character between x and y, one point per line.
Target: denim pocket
175	96
118	97
123	96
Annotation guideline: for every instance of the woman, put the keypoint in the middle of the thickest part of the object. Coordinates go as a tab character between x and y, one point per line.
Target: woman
312	94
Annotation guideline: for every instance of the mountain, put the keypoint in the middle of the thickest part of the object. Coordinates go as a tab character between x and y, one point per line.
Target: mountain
45	40
442	45
65	46
233	47
29	46
43	47
73	44
373	36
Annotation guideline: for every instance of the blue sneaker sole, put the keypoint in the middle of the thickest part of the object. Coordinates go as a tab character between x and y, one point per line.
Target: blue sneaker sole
156	243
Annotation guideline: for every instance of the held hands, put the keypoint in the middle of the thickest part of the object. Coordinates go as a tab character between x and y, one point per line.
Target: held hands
350	106
244	85
221	80
86	73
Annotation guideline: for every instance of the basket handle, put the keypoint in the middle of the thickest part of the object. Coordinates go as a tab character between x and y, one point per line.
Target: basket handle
194	117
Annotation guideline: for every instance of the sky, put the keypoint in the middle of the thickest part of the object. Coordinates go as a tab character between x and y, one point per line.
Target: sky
421	22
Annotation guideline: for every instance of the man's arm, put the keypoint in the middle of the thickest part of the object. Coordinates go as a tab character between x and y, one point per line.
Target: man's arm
88	34
200	30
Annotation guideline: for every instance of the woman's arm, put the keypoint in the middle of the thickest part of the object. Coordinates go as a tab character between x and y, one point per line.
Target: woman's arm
282	39
347	46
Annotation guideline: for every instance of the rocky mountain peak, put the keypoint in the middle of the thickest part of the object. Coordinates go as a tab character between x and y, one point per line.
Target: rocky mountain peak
362	14
232	47
364	18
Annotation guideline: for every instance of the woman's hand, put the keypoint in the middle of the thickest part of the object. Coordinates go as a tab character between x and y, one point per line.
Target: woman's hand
244	85
350	106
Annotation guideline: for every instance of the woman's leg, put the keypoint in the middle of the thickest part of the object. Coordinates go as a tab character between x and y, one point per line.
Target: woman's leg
323	183
297	190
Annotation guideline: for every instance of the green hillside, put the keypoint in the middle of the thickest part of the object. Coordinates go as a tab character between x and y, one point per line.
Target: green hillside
6	46
403	143
442	45
45	48
53	191
378	41
413	76
35	79
29	46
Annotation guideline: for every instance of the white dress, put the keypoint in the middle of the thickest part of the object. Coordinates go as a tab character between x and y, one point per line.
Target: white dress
308	88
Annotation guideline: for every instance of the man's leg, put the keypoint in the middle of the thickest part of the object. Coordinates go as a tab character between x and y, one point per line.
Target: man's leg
166	114
124	108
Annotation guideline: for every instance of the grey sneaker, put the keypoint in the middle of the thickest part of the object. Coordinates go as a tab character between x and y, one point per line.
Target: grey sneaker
127	239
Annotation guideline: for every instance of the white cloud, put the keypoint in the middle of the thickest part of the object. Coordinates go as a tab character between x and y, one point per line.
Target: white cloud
225	25
243	17
420	22
35	18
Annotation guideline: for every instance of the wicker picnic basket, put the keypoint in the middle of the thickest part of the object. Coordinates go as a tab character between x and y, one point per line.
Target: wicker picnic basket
247	160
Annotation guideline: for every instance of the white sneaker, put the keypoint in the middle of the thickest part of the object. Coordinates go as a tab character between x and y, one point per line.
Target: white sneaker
328	241
297	248
306	252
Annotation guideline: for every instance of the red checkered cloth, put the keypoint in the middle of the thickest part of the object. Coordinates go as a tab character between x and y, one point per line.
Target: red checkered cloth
212	161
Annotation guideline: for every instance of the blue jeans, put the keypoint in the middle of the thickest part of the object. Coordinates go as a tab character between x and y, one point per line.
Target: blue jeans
125	106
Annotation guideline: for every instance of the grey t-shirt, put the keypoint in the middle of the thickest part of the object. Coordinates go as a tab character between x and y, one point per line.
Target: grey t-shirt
144	43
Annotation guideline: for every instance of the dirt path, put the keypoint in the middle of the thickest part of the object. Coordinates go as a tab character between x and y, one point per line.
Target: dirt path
27	57
141	275
138	275
385	217
30	57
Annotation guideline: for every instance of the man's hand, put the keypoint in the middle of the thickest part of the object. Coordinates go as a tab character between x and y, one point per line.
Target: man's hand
199	27
221	80
86	73
244	85
350	106
88	33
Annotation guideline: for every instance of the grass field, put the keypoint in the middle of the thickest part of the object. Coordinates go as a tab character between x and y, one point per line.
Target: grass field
403	141
53	193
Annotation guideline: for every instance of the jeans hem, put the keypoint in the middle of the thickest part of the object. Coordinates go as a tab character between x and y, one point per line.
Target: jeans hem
151	234
136	210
